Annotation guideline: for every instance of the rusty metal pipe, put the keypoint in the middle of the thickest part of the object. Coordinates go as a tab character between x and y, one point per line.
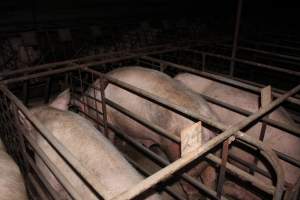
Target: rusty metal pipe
282	126
219	78
236	36
248	62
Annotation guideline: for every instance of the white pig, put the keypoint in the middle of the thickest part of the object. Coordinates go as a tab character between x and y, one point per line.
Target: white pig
12	185
89	146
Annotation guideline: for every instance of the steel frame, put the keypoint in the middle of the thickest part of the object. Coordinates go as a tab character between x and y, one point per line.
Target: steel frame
85	63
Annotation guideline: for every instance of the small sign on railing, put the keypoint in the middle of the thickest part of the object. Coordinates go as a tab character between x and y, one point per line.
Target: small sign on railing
191	138
266	96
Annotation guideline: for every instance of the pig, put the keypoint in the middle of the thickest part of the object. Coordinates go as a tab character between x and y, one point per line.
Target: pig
89	146
276	138
12	185
165	87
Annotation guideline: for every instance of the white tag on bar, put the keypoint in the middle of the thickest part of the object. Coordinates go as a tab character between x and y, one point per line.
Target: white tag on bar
191	138
266	96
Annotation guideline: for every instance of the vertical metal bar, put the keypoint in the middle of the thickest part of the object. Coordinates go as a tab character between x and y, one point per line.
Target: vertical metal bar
203	61
236	36
266	98
95	100
25	92
221	178
84	99
22	142
103	83
47	90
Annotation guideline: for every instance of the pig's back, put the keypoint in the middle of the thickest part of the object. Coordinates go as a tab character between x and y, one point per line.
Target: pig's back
162	85
11	181
92	149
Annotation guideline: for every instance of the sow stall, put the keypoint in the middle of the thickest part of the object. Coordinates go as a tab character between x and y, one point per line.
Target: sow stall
79	74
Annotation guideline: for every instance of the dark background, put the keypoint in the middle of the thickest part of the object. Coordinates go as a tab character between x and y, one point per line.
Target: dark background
268	16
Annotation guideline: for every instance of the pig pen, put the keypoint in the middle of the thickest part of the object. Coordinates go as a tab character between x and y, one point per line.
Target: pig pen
79	74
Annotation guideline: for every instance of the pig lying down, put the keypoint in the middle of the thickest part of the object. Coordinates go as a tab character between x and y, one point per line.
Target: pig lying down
277	139
89	146
12	185
165	87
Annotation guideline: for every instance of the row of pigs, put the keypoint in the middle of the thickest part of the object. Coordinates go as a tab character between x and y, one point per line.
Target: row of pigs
112	171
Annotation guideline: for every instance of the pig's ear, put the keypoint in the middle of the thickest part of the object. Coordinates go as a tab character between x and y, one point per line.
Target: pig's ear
62	101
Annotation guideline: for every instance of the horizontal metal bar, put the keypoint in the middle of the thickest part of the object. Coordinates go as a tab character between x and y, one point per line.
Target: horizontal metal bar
50	66
73	66
270	44
41	74
248	62
263	52
144	122
274	90
219	78
282	126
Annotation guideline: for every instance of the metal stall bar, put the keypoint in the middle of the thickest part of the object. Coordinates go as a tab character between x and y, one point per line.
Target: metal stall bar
161	102
277	69
85	59
282	126
73	66
271	45
178	164
219	78
236	36
57	146
265	52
